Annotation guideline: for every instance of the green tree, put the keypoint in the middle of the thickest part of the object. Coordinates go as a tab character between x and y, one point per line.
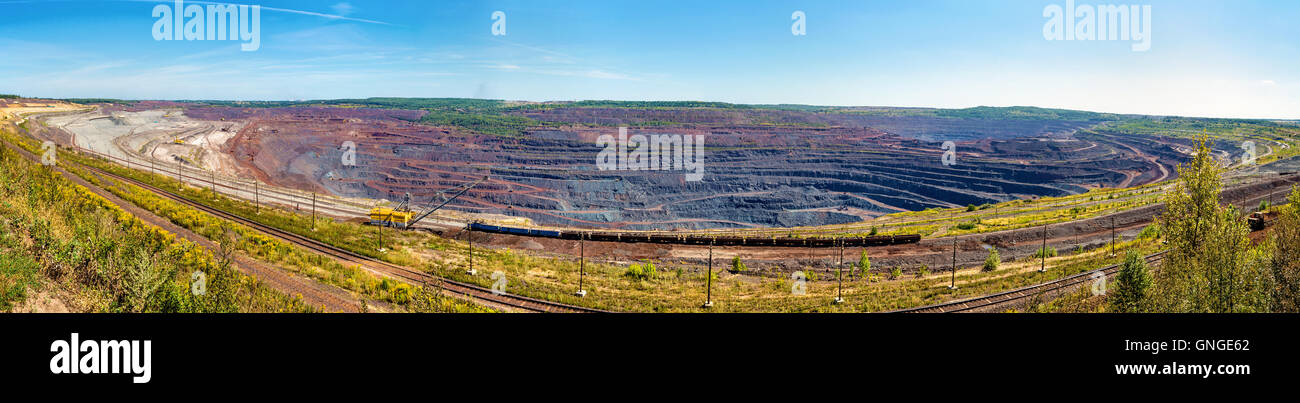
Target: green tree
1132	285
1286	256
864	263
992	262
1210	266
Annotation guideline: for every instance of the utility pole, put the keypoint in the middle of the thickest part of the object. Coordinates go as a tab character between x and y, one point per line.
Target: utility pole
708	296
313	211
953	285
1042	268
582	263
839	293
213	183
380	228
1112	236
811	259
1272	196
470	236
257	199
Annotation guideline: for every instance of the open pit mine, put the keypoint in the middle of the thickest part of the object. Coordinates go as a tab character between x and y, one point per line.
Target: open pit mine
763	167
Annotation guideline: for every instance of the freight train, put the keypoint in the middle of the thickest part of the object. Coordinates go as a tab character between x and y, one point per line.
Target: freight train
697	239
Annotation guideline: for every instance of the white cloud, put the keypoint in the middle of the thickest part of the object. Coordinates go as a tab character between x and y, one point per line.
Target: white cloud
342	9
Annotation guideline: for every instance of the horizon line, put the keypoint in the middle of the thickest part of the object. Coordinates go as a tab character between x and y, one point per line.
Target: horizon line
1293	119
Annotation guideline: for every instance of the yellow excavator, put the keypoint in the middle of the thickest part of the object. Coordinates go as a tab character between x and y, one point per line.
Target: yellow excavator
403	217
391	217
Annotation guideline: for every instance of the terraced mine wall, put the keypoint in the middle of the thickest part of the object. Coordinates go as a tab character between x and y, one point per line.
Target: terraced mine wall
761	168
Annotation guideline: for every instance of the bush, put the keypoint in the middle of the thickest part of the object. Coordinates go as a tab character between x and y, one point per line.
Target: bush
737	266
642	272
1151	231
810	275
401	294
1132	285
895	273
966	225
1048	252
992	262
708	276
923	271
971	207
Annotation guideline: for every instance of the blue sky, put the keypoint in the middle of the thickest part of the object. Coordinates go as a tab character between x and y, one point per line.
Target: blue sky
1207	58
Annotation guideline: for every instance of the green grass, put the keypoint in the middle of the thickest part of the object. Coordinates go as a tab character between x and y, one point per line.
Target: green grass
60	235
18	273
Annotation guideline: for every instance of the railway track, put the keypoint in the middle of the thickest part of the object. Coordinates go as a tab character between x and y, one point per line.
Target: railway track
268	194
1005	298
401	272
